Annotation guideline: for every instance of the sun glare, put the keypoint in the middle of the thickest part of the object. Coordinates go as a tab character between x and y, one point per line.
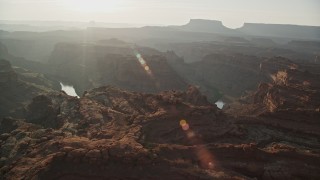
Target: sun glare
92	5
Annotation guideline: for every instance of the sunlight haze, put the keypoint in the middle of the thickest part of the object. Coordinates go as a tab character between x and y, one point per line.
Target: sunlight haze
232	13
159	89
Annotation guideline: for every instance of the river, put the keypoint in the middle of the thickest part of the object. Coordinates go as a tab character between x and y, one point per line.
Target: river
68	89
220	104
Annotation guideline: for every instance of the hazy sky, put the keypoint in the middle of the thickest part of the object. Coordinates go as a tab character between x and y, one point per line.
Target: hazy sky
233	13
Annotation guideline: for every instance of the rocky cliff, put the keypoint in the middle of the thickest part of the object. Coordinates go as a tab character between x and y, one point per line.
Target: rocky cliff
126	66
18	86
291	100
110	133
223	75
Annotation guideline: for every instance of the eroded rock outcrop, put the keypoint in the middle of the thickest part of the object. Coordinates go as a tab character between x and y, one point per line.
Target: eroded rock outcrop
110	128
291	101
110	133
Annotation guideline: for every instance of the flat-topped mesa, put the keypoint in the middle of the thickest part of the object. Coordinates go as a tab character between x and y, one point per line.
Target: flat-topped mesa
281	30
209	26
205	22
7	74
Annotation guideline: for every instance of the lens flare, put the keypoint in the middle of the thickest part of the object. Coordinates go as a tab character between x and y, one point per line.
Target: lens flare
184	125
183	122
144	65
190	134
204	155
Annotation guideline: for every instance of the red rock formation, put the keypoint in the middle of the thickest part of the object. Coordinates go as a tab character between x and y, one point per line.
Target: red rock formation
291	102
110	133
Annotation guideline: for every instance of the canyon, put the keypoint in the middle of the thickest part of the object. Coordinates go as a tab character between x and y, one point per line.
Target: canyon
197	101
